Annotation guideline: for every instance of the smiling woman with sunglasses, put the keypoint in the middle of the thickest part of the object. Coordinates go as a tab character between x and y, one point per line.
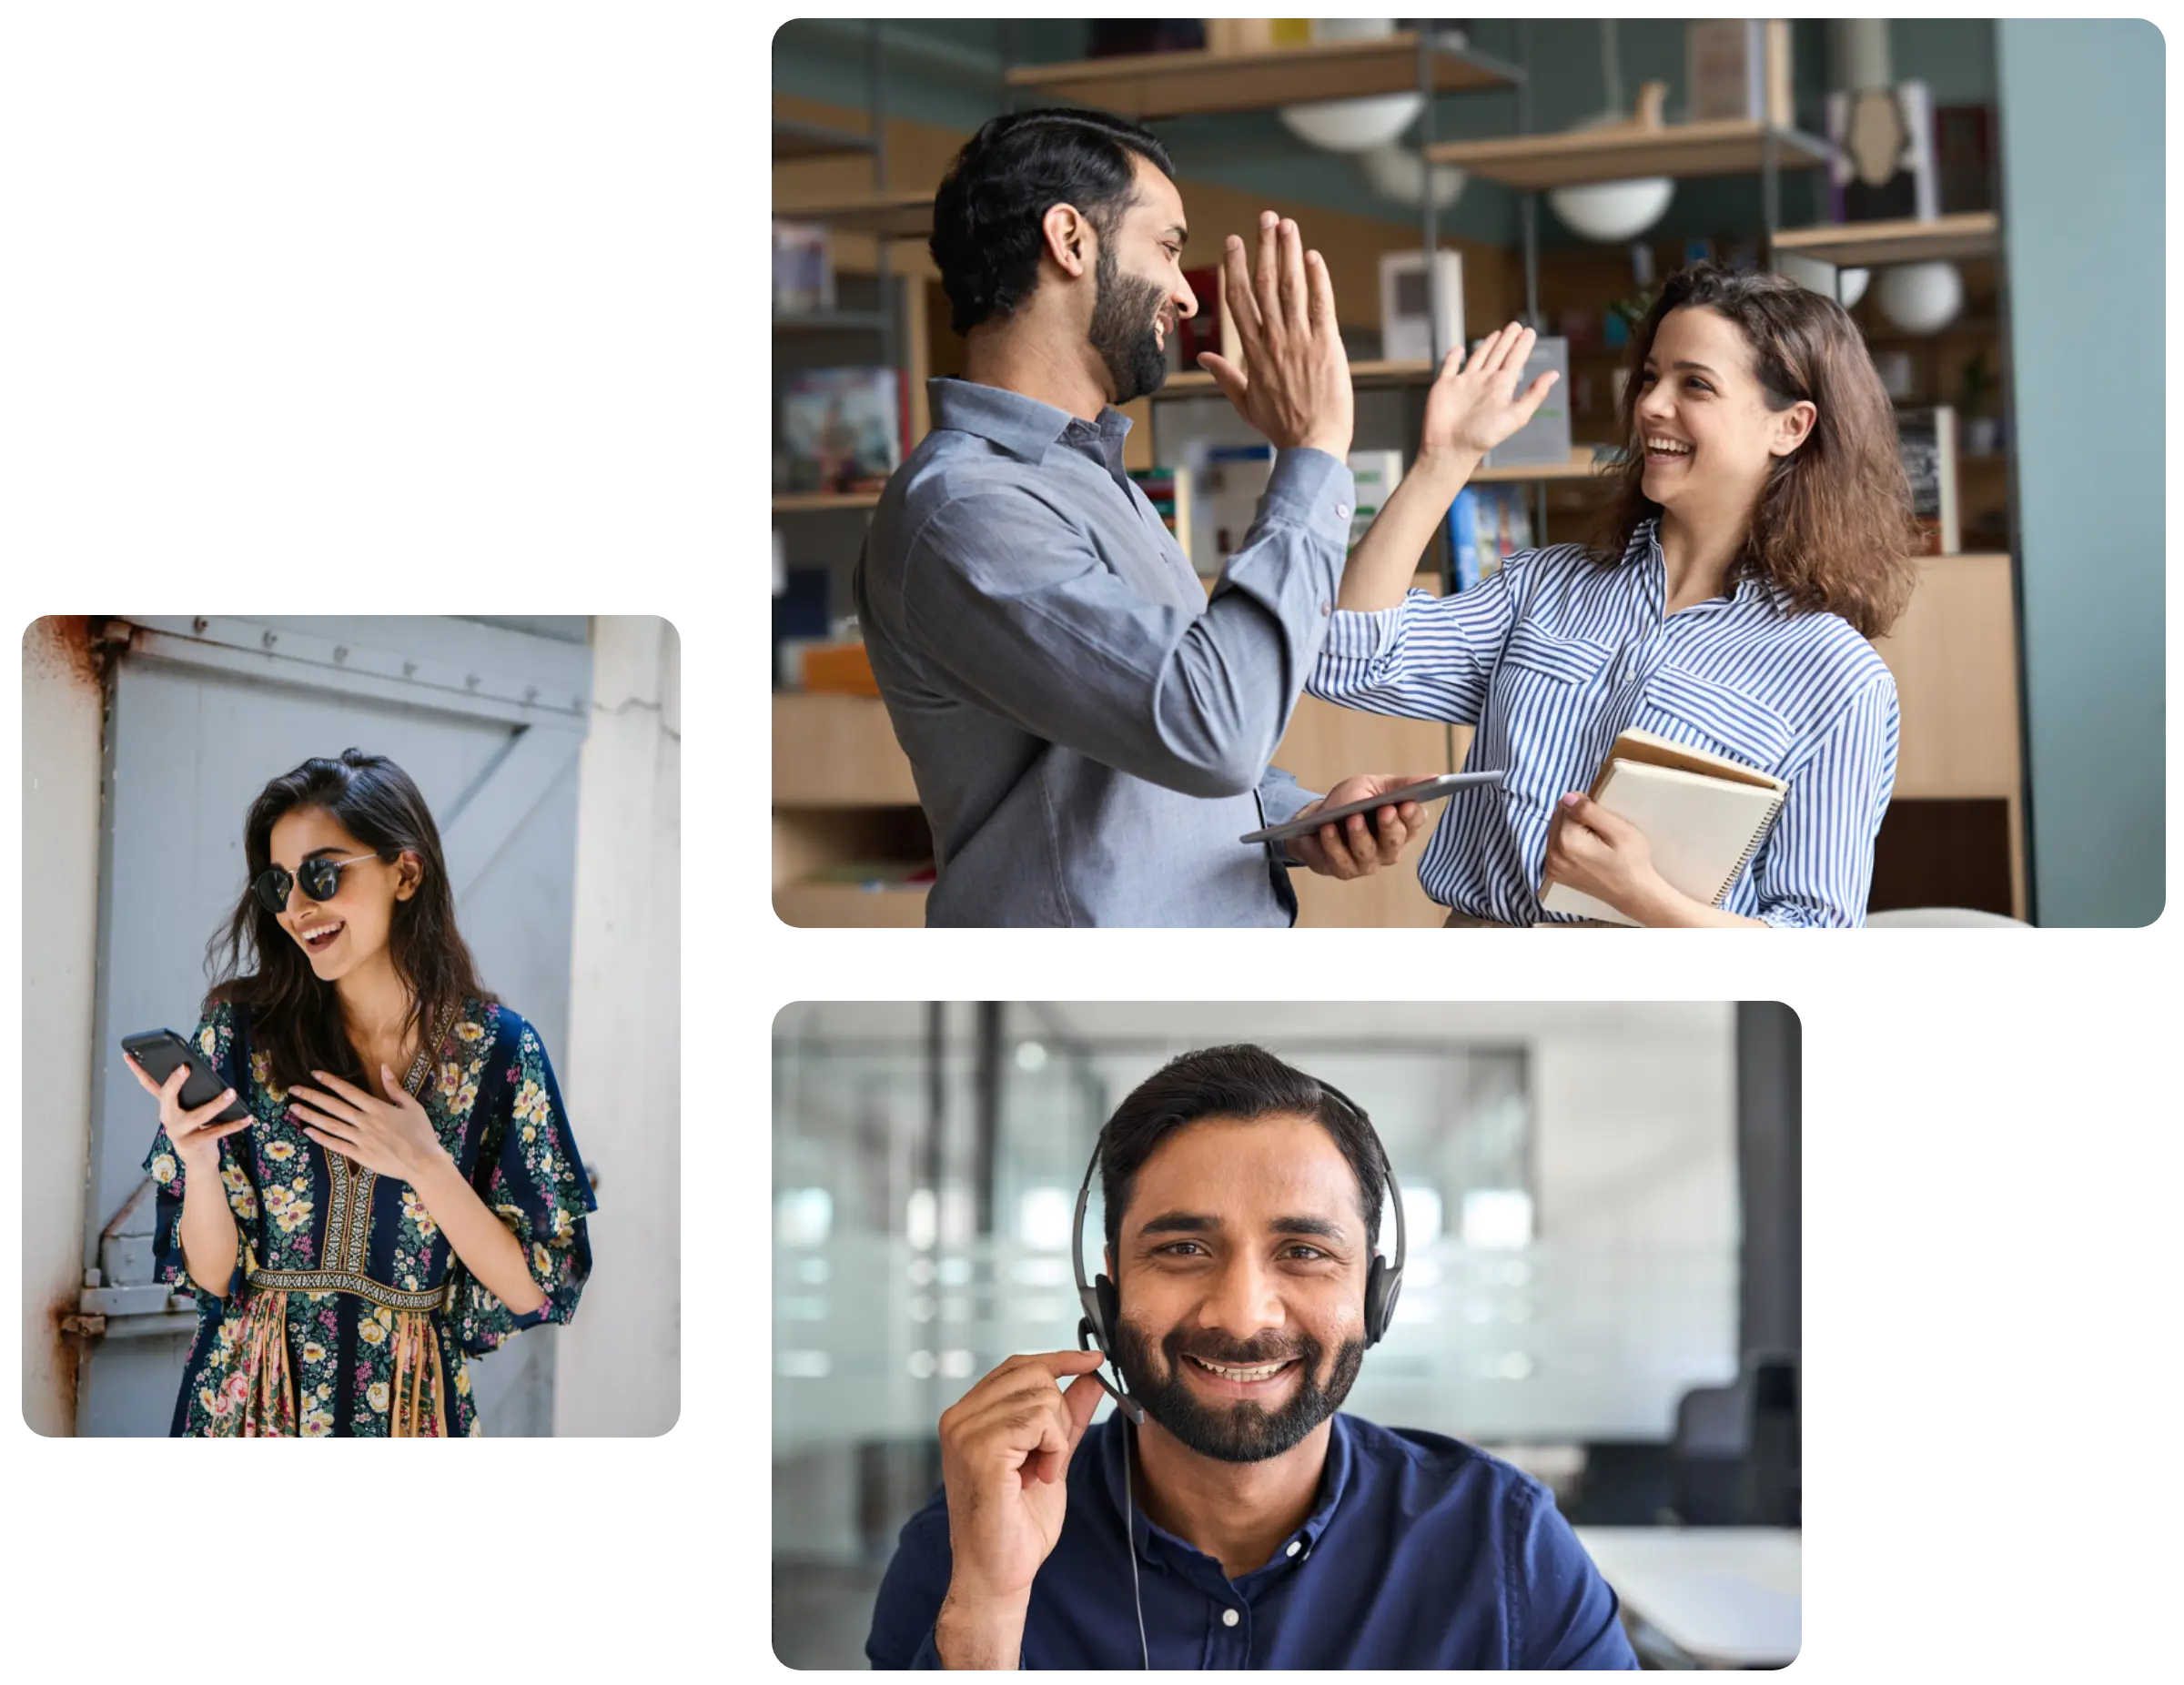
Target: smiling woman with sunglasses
341	912
403	1190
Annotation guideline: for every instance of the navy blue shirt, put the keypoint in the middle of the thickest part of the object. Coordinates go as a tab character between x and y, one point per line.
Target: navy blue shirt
1421	1552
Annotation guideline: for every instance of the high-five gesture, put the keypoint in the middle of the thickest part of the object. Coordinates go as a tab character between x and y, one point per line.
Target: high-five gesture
1475	406
1295	385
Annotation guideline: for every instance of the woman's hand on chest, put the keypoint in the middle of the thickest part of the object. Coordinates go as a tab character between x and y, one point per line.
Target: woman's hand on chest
389	1135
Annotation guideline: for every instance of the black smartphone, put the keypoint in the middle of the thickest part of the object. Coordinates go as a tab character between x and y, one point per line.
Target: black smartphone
160	1051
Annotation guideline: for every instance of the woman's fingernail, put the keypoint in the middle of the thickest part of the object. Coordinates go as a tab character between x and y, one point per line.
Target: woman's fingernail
1572	800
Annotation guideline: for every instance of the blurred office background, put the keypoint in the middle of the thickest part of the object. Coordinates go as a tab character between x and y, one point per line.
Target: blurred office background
2035	142
1602	1282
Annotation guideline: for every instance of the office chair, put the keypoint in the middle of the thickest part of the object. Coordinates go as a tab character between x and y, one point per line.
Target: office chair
1706	1460
1735	1459
1624	1483
1769	1491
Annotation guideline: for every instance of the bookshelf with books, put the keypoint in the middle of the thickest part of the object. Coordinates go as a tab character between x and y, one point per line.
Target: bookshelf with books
850	346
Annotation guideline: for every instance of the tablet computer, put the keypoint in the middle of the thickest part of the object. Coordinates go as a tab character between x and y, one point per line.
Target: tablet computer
1429	790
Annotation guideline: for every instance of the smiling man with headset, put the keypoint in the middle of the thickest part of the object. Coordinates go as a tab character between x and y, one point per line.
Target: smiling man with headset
1225	1516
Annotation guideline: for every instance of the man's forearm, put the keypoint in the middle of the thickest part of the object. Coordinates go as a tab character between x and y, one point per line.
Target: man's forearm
488	1246
980	1635
1386	559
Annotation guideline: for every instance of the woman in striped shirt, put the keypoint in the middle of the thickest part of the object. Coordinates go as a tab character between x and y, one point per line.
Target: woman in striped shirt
1757	535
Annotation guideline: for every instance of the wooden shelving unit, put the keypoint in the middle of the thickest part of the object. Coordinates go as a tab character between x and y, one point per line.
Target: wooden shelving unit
795	142
816	502
836	905
842	797
1875	245
1955	658
1573	158
1197	383
900	215
1580	466
1200	83
833	322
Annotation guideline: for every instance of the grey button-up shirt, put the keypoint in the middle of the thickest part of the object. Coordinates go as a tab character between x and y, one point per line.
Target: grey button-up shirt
1089	733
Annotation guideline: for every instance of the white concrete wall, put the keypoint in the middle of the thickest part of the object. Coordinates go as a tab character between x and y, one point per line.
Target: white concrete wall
62	707
619	1363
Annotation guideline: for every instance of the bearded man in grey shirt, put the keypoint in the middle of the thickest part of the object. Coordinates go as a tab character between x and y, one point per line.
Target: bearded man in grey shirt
1089	733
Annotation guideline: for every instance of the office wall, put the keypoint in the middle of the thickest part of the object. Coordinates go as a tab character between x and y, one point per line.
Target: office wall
2082	224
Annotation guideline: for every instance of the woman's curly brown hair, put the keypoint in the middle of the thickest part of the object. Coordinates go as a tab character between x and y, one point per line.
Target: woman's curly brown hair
1832	527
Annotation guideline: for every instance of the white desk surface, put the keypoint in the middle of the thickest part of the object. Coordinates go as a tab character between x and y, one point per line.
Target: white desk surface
1728	1595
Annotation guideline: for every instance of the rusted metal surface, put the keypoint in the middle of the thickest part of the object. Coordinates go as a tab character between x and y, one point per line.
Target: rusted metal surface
76	645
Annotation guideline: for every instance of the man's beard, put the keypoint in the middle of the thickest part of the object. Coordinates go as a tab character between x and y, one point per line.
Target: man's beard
1123	312
1242	1432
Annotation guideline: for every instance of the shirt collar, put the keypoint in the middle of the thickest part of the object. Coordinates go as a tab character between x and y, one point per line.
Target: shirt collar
1334	1482
1745	591
1022	426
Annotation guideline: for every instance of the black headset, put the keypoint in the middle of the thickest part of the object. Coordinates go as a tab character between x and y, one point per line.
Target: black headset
1104	1312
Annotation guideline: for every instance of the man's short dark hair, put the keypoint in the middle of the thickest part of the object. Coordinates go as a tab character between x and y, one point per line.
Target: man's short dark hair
1239	1081
986	236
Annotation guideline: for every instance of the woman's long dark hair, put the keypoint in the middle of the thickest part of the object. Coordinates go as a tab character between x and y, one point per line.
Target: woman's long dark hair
294	1019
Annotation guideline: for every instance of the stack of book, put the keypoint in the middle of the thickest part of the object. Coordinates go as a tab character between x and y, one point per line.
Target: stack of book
1703	817
1234	480
841	430
1487	526
1377	473
804	269
1926	439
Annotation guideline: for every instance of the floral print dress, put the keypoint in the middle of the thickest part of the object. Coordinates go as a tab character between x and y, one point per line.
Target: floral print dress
348	1312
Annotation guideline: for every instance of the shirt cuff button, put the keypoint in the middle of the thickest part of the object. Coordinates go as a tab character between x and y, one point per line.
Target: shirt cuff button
1342	511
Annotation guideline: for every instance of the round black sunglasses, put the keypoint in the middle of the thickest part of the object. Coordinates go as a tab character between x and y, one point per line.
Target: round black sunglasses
319	877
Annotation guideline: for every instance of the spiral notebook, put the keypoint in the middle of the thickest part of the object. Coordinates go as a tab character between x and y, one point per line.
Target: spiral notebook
1703	816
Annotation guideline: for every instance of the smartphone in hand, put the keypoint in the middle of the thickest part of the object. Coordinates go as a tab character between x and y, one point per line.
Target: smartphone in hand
1429	790
160	1051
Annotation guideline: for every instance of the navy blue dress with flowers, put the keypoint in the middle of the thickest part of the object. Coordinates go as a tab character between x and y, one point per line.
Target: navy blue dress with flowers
348	1312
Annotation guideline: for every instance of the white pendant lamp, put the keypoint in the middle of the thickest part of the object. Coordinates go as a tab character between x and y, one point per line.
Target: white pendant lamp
1615	211
1846	287
1921	298
1352	125
1399	174
1612	211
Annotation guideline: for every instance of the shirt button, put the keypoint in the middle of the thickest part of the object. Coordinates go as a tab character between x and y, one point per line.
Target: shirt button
1229	1617
1342	511
1323	608
1295	1545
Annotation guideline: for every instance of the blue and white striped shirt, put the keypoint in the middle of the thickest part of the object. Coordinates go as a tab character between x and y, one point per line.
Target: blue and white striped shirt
1555	655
